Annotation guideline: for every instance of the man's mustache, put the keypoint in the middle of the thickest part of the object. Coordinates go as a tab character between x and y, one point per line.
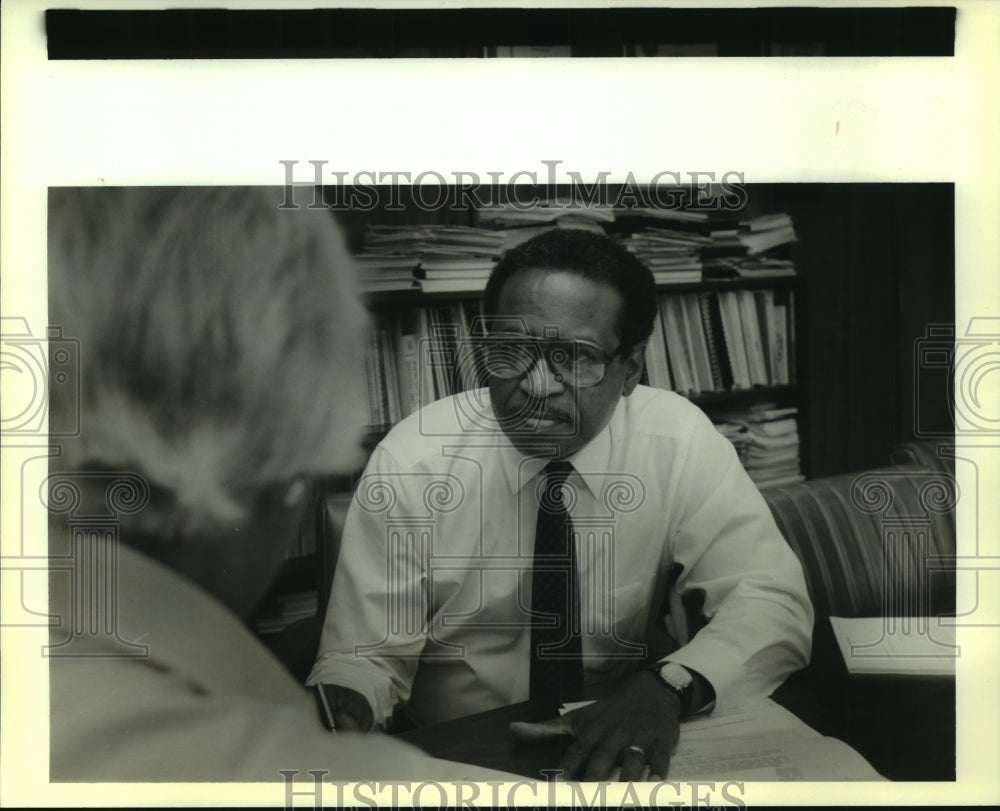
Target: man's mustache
538	410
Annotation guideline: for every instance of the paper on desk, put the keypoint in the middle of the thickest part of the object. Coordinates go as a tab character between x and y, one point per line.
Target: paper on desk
761	742
896	645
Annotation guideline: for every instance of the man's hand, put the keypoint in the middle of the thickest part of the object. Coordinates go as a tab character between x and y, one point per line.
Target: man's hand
633	729
348	708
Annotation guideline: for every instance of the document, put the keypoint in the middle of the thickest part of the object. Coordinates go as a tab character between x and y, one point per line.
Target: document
896	645
763	742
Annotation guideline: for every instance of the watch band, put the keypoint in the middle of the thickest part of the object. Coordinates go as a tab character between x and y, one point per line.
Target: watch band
679	679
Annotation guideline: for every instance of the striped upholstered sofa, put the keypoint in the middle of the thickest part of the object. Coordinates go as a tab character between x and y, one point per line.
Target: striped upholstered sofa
879	541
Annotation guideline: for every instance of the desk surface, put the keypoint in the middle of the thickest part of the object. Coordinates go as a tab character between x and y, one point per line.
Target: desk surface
903	726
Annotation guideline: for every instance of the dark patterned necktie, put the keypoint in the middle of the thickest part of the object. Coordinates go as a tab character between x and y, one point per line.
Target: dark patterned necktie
556	660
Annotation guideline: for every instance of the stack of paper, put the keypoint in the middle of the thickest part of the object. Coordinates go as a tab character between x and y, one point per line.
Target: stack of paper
916	646
672	256
762	742
435	257
566	213
767	441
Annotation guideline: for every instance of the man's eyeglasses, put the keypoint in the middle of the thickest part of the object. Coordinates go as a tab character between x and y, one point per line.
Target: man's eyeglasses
580	364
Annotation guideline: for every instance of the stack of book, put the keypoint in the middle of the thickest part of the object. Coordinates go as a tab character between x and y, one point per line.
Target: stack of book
517	224
673	256
767	441
735	248
386	271
437	258
562	213
717	341
454	273
749	267
696	221
717	245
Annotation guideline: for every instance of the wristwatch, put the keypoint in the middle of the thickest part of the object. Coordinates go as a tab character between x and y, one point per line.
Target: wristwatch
678	679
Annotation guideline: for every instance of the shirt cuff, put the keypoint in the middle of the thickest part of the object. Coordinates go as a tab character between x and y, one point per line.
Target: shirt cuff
363	677
722	671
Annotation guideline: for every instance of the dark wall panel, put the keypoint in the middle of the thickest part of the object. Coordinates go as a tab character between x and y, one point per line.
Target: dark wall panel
878	267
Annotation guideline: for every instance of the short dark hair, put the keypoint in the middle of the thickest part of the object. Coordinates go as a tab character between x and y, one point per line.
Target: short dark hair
590	256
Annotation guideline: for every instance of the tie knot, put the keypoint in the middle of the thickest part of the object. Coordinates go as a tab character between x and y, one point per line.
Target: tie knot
556	472
559	467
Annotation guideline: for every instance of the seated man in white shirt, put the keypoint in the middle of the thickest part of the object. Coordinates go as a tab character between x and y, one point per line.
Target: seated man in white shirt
440	598
216	333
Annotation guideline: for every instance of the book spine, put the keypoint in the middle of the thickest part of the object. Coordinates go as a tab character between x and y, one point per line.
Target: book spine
675	348
681	315
727	357
376	390
465	367
711	341
734	338
437	355
404	348
657	371
764	301
473	311
449	342
370	385
751	336
780	342
790	333
425	367
699	346
387	350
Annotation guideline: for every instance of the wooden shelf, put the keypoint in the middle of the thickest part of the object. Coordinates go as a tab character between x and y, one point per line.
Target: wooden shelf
415	296
743	395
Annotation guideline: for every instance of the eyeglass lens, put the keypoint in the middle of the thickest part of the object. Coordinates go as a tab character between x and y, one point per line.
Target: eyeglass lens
573	362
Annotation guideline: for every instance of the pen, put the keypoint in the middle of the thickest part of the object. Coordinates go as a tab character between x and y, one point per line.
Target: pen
325	713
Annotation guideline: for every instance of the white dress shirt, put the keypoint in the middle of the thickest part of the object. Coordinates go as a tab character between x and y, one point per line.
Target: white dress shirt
431	598
205	700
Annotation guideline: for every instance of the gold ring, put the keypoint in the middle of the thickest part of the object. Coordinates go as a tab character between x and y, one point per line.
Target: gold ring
637	749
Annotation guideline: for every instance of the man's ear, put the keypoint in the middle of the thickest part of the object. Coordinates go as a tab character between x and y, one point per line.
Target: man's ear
634	363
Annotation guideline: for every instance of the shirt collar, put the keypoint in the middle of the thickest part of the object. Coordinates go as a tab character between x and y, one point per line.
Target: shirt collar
590	462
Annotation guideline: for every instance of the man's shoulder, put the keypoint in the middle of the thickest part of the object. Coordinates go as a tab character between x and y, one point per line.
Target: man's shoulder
650	412
458	420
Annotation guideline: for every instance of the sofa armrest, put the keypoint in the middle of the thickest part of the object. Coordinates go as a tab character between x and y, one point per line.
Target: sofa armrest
939	456
871	543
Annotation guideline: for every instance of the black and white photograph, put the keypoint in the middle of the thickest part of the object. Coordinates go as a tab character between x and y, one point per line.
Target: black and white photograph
488	406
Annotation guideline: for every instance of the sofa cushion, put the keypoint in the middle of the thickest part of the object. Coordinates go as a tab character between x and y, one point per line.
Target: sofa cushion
869	542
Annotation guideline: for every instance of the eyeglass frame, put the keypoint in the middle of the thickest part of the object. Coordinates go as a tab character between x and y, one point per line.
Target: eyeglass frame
541	349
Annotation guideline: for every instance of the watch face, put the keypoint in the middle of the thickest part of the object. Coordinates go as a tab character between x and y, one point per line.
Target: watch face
676	676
